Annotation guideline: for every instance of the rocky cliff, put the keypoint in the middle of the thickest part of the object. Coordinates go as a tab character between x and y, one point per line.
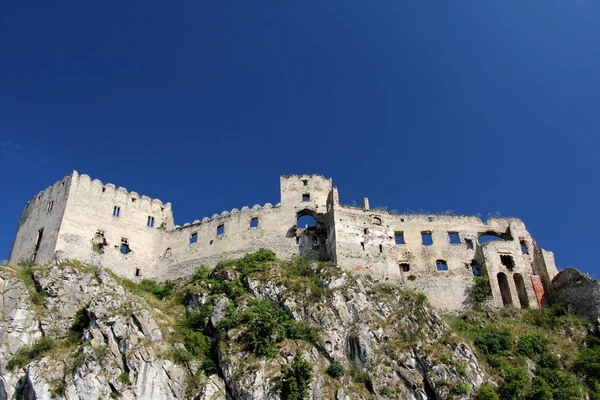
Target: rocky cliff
255	328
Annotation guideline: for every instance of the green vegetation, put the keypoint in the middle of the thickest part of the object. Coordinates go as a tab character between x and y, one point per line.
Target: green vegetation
295	379
549	337
124	379
26	276
481	290
335	370
36	351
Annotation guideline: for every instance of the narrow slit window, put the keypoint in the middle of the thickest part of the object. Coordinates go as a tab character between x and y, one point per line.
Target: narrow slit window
297	240
306	197
426	238
220	229
399	237
507	261
194	237
404	267
305	182
381	248
254	222
315	242
50	205
150	221
441	265
524	249
38	240
469	244
366	231
362	244
116	211
138	272
475	268
453	238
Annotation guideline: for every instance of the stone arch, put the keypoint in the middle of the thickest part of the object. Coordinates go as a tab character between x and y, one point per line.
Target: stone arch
504	289
305	218
521	291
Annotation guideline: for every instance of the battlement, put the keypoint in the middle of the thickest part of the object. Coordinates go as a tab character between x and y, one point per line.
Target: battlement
135	235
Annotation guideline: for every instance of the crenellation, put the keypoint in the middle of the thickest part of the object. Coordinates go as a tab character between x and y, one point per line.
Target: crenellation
136	237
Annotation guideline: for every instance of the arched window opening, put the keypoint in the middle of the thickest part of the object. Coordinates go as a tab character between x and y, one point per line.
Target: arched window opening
504	289
441	265
404	267
306	221
376	221
507	261
492	236
521	291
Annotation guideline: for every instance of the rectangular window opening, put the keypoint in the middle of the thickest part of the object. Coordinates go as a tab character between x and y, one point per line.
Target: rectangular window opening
194	237
453	237
315	242
399	237
125	249
381	248
220	229
50	205
138	272
524	249
362	244
116	211
254	222
297	240
306	197
507	261
469	244
305	182
150	221
38	240
426	238
404	267
441	265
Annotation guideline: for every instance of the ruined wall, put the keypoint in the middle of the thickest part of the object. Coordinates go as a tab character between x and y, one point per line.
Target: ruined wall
90	211
44	211
577	291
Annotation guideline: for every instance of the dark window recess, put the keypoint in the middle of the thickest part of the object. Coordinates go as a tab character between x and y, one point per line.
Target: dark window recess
475	268
125	249
362	244
220	229
133	199
399	237
524	247
38	242
254	223
211	242
366	231
305	182
315	242
193	237
150	222
441	265
453	237
404	267
306	197
507	261
381	248
50	205
376	221
138	272
116	211
469	244
426	238
103	189
297	240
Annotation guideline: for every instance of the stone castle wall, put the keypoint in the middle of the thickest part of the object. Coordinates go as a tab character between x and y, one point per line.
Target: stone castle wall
84	225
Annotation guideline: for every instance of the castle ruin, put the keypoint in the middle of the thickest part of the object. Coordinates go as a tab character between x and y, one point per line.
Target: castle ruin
135	236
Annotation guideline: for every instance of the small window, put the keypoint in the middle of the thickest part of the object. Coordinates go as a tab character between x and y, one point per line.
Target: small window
62	184
150	221
220	229
125	249
103	189
50	205
399	237
133	199
524	249
116	211
475	268
254	222
404	267
305	182
453	237
381	248
194	237
366	231
138	272
362	244
469	244
441	265
297	240
306	197
426	238
376	221
315	242
507	261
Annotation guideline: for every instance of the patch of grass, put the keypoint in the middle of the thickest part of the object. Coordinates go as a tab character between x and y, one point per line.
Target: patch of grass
26	276
124	379
36	351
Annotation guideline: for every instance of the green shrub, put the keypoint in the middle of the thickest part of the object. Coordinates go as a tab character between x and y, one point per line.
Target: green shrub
492	340
250	263
486	392
532	345
412	277
335	370
588	364
27	354
124	379
209	367
460	389
80	321
481	290
181	356
561	386
295	379
159	290
513	385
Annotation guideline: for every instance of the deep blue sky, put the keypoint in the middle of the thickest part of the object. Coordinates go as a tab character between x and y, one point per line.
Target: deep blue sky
473	106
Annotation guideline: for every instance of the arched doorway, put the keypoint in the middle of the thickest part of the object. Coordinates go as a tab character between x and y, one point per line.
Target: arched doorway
504	289
521	291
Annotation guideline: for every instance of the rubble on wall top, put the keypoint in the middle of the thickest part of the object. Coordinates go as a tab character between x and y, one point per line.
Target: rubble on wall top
306	175
226	213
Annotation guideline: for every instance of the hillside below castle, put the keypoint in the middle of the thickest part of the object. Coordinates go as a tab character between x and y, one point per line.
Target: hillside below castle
135	236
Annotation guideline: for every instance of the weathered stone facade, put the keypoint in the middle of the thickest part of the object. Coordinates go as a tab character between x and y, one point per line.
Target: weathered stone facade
135	236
